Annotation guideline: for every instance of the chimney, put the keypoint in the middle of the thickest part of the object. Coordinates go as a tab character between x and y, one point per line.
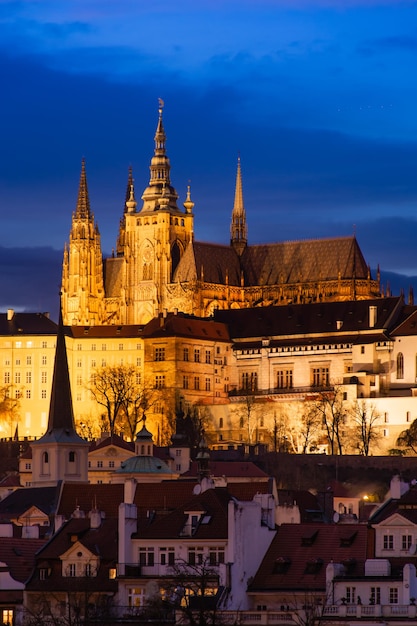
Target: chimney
95	518
10	314
372	316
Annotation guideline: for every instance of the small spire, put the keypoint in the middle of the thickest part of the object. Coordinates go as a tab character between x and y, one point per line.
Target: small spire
238	229
128	187
188	204
83	203
130	202
411	295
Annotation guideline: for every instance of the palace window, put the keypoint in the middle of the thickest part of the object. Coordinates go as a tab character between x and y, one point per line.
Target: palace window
185	382
208	384
208	356
284	379
146	556
28	377
250	381
167	556
375	595
159	381
159	354
388	542
400	365
216	556
197	355
406	541
196	382
44	360
186	354
320	377
393	595
6	378
350	595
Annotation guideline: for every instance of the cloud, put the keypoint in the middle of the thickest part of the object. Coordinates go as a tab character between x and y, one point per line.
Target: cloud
30	279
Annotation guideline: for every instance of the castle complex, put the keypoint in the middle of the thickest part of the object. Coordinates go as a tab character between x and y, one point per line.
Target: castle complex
158	265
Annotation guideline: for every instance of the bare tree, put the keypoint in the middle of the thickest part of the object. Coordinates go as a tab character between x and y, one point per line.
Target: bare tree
365	426
311	427
110	387
333	411
137	401
407	439
10	407
193	592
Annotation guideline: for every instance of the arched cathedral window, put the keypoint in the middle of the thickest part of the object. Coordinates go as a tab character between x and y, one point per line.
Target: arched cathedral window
400	365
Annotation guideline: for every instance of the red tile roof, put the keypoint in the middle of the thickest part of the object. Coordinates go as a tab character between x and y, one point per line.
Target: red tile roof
299	554
104	497
19	555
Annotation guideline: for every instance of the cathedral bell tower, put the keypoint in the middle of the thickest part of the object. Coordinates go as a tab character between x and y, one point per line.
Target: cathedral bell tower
238	228
82	272
153	239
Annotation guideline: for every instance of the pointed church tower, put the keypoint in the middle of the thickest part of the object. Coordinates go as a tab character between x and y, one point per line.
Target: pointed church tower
82	272
238	228
152	240
60	454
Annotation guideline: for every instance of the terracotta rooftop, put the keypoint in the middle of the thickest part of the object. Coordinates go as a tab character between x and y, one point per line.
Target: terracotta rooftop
19	501
27	324
19	555
299	554
212	525
229	469
104	497
317	319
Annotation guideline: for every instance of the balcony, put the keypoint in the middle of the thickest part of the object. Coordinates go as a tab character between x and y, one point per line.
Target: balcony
370	611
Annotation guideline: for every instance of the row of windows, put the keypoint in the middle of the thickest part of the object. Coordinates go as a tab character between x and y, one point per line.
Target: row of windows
18	361
196	382
242	422
18	377
320	377
28	344
406	542
374	597
197	555
27	393
93	346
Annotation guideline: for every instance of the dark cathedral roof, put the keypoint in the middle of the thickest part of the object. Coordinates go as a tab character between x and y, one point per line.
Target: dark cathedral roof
277	263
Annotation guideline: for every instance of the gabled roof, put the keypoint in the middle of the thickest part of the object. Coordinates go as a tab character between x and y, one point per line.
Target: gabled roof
101	542
407	324
213	263
406	506
229	469
316	319
27	324
112	440
299	554
21	500
307	503
270	264
182	325
19	555
102	496
304	261
213	524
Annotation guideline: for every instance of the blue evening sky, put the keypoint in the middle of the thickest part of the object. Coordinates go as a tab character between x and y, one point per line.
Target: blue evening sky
319	98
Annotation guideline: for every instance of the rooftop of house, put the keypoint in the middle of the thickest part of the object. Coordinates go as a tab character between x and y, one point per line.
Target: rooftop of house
299	554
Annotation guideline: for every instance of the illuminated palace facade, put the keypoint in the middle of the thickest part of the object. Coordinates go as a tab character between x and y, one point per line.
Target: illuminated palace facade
158	266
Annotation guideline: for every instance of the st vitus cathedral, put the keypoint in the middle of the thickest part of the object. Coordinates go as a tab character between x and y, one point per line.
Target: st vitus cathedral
159	266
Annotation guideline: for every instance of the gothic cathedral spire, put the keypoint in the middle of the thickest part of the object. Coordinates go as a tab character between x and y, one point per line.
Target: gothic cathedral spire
82	272
238	229
160	187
